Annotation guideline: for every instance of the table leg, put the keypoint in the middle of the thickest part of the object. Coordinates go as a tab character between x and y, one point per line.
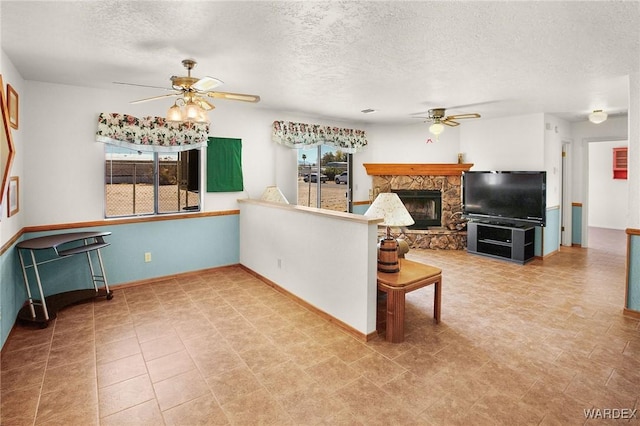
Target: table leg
45	311
395	316
26	284
437	299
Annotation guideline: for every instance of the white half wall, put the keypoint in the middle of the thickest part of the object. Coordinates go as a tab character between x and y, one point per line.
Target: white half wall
327	259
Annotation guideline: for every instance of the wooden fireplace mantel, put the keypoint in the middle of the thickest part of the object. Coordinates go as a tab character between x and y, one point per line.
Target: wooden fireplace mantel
402	169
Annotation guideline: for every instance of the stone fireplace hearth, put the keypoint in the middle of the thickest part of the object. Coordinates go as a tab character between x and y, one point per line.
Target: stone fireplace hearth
451	232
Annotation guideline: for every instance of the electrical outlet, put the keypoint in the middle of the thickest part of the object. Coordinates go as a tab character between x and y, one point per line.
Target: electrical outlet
147	257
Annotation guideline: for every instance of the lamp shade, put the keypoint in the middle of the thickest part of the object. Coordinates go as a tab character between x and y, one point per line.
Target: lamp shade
388	206
598	116
274	195
174	113
436	128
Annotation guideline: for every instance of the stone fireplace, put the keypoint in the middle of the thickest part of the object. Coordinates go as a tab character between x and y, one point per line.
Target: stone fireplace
436	230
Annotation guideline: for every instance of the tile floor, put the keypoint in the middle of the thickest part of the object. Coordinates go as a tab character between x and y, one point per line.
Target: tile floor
533	344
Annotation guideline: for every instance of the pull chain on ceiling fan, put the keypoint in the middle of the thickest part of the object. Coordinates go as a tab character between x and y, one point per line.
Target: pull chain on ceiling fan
191	104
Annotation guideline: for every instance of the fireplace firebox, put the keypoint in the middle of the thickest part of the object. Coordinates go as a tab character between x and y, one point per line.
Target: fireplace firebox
425	206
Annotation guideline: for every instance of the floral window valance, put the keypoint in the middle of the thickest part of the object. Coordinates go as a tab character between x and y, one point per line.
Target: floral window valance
151	133
301	135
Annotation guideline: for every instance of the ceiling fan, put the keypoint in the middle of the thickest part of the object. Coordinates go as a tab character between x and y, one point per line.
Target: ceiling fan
438	118
192	93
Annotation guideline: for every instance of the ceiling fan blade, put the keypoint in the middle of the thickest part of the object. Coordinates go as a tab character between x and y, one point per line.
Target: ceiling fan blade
450	122
234	96
154	98
462	116
206	83
141	85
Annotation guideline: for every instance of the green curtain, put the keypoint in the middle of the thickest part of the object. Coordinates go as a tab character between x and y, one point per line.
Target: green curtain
224	165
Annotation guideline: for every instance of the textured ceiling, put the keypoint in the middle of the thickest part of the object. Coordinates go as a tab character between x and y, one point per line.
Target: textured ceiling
334	59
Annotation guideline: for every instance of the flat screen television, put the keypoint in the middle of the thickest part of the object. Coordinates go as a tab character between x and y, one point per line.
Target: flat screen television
505	197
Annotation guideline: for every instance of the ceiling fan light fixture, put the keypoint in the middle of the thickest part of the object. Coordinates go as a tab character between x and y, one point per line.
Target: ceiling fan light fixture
174	113
202	117
598	116
436	128
192	111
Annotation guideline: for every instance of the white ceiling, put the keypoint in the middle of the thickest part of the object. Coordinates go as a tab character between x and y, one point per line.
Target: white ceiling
335	58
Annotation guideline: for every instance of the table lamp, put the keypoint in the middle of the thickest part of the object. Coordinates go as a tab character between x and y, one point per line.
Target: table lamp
388	206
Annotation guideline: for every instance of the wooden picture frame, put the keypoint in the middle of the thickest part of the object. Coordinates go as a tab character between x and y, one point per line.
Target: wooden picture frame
13	106
13	196
6	143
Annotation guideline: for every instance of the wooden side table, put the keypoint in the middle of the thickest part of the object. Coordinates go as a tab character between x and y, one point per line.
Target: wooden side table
412	276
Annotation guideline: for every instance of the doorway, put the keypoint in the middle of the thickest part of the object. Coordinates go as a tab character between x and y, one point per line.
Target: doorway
607	199
324	178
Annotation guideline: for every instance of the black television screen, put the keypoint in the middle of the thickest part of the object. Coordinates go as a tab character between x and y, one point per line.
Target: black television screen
517	198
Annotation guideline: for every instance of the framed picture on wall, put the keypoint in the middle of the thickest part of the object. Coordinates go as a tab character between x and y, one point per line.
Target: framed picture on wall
6	143
13	196
12	106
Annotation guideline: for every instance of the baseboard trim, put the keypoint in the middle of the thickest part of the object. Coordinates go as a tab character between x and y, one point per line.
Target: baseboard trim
352	331
169	277
631	313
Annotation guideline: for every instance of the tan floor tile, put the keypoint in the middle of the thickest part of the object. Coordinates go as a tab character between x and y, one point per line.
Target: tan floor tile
144	414
73	336
25	356
262	356
22	377
179	389
153	329
119	318
119	370
231	384
75	352
332	373
377	368
74	403
86	415
315	405
125	394
410	390
216	361
19	407
256	408
284	379
170	365
112	333
57	378
23	336
367	402
118	349
165	345
204	410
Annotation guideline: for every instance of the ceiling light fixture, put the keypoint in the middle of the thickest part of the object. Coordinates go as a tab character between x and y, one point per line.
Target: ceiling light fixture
186	110
598	116
436	128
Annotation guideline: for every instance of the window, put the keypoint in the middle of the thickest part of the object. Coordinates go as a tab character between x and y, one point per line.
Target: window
322	183
148	183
